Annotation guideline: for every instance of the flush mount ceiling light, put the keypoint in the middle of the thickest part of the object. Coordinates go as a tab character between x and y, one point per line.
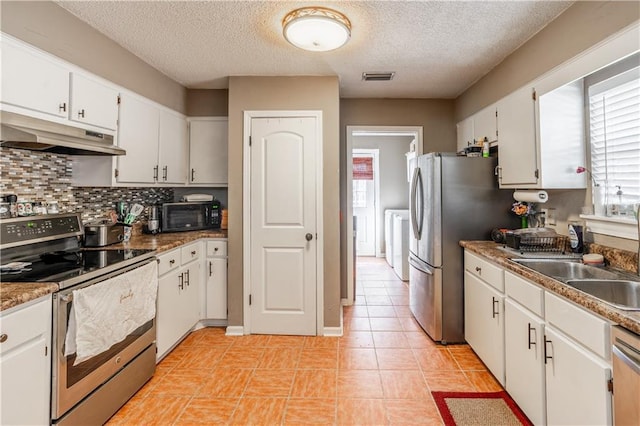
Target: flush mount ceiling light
317	29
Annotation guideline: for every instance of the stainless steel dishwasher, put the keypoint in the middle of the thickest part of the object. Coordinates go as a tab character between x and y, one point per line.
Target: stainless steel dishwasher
626	377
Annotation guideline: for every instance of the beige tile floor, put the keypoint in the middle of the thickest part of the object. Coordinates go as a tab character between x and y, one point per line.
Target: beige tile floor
380	372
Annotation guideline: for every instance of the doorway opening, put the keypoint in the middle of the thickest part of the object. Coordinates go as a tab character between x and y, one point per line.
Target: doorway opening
366	192
395	144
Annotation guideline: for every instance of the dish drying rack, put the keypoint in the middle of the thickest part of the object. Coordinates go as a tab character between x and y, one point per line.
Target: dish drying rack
535	243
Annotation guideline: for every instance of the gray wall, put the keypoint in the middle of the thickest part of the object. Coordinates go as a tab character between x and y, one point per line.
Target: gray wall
394	188
49	27
286	93
581	26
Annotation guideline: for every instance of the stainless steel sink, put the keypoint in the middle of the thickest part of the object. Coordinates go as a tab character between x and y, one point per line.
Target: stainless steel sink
564	270
622	294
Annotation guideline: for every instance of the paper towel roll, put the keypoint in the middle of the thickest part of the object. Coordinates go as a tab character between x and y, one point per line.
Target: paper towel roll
531	196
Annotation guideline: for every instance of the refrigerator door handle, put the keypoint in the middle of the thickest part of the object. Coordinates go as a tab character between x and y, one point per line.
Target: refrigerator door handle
415	225
420	265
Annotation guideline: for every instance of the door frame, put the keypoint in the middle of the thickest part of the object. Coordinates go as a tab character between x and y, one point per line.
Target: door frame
375	154
416	131
246	211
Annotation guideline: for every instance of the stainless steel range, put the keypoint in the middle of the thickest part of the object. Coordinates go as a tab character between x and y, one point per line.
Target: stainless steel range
98	362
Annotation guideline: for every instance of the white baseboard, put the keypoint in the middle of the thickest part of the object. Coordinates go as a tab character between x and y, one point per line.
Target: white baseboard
335	331
235	330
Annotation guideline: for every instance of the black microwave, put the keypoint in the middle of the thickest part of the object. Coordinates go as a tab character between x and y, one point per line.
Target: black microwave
191	216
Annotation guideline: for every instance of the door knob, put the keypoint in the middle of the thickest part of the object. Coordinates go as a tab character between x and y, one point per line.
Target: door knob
309	236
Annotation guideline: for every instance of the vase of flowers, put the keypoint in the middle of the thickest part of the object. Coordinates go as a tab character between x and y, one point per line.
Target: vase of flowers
522	209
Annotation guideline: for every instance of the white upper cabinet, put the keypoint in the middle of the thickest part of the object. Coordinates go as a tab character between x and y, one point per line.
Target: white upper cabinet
93	102
474	129
33	81
464	131
517	158
484	124
138	135
208	148
172	149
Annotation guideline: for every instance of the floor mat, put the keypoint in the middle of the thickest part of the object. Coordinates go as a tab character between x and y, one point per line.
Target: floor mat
479	408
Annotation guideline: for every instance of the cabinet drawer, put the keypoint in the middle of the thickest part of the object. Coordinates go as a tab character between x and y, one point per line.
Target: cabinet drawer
190	253
586	328
216	248
25	324
528	295
169	261
488	272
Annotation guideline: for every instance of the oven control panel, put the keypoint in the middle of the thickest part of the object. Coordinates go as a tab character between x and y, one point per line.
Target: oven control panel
24	230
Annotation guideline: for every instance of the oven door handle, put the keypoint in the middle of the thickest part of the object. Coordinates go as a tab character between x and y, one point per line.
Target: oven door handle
628	358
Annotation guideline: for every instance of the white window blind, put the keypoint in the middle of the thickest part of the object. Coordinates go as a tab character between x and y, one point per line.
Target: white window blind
614	119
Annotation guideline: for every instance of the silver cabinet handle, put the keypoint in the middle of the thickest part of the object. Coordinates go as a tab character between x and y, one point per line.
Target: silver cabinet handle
210	268
529	330
193	175
547	357
478	270
155	173
81	113
165	172
181	283
495	312
193	253
187	277
62	107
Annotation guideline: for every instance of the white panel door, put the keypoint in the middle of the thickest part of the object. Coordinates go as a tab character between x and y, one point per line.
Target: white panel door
517	152
172	156
93	102
364	210
32	81
524	364
576	380
283	225
138	135
208	152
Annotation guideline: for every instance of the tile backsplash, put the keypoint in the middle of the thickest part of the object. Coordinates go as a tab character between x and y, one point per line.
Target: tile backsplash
36	176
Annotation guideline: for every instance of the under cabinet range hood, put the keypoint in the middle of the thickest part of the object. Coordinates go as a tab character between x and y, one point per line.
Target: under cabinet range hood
23	132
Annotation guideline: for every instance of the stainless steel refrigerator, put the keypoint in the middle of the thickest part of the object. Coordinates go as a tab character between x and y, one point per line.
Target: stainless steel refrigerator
452	198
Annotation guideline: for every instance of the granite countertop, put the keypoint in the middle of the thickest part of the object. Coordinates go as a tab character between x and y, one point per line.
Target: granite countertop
627	319
14	294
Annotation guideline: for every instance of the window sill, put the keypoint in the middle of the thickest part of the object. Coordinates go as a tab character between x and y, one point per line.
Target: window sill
613	226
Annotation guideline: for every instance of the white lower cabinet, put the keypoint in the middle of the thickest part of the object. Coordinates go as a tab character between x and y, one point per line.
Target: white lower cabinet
216	280
576	383
25	364
484	323
524	366
178	296
555	354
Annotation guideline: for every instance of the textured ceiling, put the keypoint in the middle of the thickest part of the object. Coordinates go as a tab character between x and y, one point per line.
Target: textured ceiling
436	48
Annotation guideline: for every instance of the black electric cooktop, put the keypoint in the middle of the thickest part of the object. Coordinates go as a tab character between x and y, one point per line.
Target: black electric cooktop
72	267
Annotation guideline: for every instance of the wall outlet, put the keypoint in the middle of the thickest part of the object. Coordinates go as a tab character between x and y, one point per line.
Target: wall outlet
550	216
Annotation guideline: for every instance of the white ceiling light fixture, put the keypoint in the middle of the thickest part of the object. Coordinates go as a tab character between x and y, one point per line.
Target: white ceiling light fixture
317	29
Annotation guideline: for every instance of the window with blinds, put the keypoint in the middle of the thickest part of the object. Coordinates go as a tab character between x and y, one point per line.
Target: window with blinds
614	123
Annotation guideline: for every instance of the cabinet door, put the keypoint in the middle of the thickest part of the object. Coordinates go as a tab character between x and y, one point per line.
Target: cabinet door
191	296
484	323
138	135
168	324
517	150
576	380
93	102
173	147
464	133
216	288
32	81
484	124
208	151
24	396
524	364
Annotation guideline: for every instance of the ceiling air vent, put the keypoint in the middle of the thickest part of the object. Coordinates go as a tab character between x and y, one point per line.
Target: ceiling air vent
377	76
